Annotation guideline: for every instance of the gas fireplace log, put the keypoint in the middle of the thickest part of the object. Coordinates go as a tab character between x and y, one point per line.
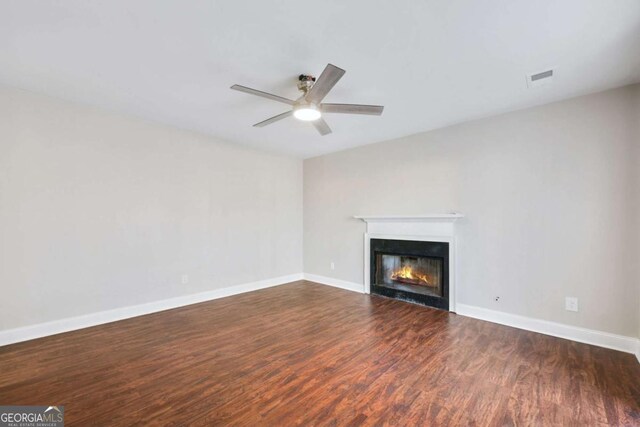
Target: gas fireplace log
408	281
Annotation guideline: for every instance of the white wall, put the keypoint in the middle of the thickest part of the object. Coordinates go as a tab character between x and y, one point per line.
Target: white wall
100	211
548	195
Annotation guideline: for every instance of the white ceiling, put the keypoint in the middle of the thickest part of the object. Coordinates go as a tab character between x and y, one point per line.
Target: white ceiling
431	63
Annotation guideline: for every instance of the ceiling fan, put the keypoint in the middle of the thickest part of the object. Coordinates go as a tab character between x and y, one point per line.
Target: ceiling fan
309	106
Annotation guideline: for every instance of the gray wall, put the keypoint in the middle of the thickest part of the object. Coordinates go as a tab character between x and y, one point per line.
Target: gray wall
548	194
100	211
637	210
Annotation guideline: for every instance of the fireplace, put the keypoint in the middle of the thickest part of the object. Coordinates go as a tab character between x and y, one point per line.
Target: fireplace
409	270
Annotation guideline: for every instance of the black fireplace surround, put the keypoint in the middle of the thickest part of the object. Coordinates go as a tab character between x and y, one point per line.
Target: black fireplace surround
409	270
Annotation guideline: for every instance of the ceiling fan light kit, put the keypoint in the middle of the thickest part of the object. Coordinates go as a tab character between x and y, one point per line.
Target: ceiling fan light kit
306	112
309	106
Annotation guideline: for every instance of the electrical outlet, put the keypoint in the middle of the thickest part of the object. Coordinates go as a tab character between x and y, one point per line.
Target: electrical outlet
185	279
571	304
497	299
333	265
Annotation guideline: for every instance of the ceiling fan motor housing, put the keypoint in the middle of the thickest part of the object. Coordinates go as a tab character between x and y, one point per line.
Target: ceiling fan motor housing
305	82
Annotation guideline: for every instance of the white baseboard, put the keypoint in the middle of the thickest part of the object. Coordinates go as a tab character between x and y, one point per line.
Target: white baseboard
574	333
26	333
336	283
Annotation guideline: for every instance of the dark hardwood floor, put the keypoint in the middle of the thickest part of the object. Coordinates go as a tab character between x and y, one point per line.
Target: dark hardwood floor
307	354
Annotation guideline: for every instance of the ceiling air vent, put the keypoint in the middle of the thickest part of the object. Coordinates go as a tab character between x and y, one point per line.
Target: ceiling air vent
540	78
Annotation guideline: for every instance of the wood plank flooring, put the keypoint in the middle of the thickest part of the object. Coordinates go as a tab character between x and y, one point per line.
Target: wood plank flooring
307	354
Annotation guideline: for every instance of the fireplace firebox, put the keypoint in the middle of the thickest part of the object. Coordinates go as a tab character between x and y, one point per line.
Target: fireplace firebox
409	270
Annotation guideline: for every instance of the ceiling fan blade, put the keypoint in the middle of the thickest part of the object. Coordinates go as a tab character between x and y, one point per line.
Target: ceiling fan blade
374	110
325	83
273	119
262	94
322	126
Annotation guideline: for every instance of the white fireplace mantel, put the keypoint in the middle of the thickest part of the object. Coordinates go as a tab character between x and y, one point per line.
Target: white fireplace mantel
426	227
426	224
411	218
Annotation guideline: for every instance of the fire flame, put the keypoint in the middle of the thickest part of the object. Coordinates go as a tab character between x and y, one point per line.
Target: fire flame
406	272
